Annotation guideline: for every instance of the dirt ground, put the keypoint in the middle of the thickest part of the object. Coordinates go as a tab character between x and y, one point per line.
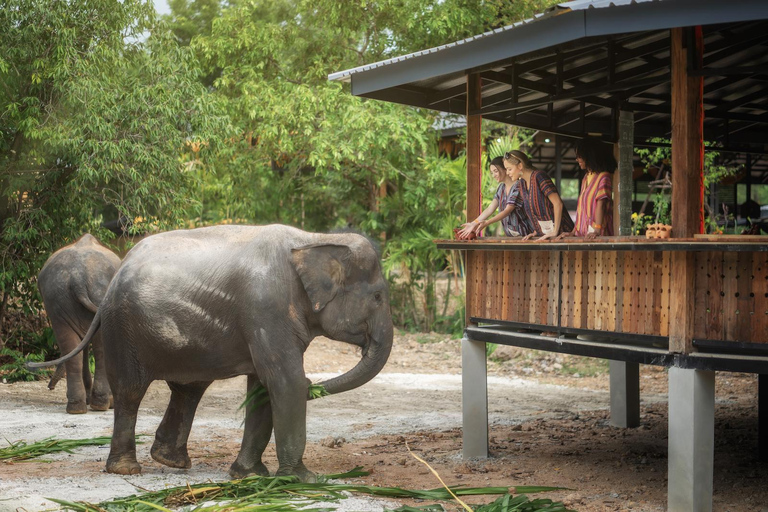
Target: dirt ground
549	426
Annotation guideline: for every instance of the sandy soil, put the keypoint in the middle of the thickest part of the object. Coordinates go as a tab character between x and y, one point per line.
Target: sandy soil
549	427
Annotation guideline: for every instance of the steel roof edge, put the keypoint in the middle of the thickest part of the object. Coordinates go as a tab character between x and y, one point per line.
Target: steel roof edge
347	73
563	23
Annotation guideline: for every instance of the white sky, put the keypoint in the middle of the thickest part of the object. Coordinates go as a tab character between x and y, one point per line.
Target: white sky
161	6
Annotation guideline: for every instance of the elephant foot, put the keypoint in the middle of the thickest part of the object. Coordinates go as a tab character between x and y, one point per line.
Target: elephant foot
300	471
101	403
124	465
78	407
237	470
170	456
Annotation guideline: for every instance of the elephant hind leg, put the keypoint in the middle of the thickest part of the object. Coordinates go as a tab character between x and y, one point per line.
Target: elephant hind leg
67	339
170	446
101	395
122	452
256	435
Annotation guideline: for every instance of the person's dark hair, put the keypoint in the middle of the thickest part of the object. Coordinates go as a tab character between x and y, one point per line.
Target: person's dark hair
518	156
498	162
597	155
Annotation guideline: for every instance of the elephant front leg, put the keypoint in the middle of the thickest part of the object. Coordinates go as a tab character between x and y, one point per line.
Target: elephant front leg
256	435
288	396
170	446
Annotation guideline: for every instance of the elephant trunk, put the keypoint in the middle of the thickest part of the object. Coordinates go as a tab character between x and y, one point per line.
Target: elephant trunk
374	358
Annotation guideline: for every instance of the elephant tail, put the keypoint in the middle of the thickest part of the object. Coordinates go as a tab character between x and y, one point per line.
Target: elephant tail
86	340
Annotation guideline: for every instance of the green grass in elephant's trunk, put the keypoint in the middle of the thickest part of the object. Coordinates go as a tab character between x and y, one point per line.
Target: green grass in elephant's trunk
259	396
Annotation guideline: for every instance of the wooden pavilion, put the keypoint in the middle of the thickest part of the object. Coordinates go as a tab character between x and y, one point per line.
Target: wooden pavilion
627	71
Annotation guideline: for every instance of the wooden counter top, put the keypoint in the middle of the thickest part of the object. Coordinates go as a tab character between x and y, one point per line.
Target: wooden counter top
738	243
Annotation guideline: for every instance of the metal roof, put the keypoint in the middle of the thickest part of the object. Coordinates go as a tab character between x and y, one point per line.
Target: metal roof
571	69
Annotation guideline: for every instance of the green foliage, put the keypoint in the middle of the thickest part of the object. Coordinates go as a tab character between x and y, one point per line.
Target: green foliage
221	112
714	172
96	105
14	370
28	346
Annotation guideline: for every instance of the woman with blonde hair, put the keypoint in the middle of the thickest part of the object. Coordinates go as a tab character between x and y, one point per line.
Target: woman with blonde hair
542	203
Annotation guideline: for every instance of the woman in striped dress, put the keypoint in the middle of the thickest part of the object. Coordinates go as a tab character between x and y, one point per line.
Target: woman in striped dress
507	200
594	213
542	203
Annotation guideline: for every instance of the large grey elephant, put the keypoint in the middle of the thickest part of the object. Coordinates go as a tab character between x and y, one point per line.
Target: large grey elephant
72	283
190	307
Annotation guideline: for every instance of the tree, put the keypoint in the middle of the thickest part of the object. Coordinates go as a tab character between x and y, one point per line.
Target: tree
96	105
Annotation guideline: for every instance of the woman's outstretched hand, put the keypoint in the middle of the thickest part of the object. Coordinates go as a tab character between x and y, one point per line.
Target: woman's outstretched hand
564	234
529	236
467	229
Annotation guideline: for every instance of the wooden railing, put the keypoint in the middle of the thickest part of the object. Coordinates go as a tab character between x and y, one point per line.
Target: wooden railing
620	285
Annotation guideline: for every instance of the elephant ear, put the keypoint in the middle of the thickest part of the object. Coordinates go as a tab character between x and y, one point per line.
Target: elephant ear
322	268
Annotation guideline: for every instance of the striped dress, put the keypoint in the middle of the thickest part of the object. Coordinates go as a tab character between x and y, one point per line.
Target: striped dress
594	188
516	223
538	206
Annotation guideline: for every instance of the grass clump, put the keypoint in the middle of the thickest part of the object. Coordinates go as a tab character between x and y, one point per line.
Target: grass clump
278	494
259	396
22	451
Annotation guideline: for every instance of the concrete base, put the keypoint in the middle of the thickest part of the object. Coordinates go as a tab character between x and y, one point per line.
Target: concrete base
691	440
474	399
625	394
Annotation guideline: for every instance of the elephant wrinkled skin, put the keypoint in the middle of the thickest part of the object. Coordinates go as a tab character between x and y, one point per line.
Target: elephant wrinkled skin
73	282
190	307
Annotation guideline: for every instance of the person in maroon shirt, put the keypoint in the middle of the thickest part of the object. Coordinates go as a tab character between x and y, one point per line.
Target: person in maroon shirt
542	203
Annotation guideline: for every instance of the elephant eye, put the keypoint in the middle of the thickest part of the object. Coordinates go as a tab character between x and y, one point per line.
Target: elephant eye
377	296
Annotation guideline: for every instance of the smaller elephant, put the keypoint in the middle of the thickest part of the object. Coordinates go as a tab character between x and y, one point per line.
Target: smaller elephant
72	283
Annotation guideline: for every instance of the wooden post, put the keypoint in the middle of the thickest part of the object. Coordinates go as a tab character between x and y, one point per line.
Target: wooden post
474	174
474	146
687	135
687	179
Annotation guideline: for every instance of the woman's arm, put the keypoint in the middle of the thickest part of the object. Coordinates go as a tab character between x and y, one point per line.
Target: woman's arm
469	227
597	224
496	218
557	203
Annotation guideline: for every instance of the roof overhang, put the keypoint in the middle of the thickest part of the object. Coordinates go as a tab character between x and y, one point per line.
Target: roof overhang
570	70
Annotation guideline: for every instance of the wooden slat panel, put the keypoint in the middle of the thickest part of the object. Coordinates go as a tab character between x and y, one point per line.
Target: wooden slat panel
506	286
619	291
589	283
665	291
759	321
566	292
634	293
715	296
729	287
554	287
744	303
578	290
612	303
702	300
642	295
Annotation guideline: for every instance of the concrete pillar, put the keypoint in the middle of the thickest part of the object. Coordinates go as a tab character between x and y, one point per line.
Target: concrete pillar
691	440
625	394
474	399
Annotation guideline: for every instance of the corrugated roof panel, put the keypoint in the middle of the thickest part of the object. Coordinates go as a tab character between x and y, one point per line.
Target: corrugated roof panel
557	9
